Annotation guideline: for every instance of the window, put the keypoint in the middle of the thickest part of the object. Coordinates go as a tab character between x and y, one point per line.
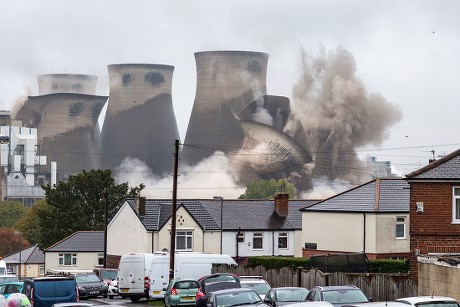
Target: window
100	259
41	270
400	227
257	240
67	259
240	237
456	205
283	240
184	240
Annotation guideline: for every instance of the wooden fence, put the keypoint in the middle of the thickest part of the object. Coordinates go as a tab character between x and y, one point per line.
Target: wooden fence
378	286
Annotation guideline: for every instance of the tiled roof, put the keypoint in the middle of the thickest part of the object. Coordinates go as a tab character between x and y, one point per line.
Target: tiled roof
31	255
447	167
379	195
81	241
244	214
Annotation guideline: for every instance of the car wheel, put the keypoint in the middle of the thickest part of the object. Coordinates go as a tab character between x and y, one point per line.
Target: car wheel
135	299
110	296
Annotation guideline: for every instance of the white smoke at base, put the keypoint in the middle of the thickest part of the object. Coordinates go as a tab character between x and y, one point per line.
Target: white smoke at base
210	177
324	188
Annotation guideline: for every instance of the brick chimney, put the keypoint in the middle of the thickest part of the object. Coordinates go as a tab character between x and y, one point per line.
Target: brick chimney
139	205
281	204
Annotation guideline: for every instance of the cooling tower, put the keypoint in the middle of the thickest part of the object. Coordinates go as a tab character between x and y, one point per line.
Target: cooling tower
67	129
140	121
227	82
66	83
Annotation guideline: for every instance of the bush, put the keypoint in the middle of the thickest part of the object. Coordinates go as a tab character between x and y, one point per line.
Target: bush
388	266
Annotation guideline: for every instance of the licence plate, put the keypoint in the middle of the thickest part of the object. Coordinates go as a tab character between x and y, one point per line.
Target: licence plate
94	292
156	292
124	290
188	298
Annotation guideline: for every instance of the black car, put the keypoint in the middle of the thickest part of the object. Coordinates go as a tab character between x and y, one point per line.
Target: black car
338	295
217	281
285	295
232	297
89	285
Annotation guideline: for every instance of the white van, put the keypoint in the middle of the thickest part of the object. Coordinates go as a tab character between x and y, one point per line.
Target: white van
143	275
3	268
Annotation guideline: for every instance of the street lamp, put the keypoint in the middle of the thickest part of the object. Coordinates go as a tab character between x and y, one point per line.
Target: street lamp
106	218
221	218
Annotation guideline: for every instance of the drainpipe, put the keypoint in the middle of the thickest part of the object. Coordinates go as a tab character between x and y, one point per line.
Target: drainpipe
364	232
273	243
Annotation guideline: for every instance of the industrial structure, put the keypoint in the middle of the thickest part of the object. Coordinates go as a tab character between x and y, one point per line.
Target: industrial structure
232	113
140	121
66	83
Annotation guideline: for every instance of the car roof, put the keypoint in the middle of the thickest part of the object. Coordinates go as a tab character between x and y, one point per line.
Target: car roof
333	288
19	283
289	288
311	304
377	304
233	290
420	299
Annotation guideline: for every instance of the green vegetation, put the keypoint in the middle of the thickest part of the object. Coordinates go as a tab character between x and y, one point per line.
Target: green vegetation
266	189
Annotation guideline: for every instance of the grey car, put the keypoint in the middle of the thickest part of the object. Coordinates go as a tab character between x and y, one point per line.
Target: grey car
338	295
285	295
232	297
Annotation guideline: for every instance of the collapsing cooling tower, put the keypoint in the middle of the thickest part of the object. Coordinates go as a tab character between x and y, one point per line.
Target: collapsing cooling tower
66	83
227	82
67	129
140	121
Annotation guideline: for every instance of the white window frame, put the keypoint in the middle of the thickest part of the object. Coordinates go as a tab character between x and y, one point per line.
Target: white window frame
73	259
285	236
240	237
456	205
100	259
258	236
188	240
400	221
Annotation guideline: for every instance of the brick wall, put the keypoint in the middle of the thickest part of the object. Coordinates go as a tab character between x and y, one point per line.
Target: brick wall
431	231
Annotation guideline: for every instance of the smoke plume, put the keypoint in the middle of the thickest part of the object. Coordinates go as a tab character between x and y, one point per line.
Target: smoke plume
338	115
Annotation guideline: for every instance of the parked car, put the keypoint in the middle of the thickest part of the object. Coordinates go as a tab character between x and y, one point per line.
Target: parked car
89	285
113	289
8	278
181	292
106	274
46	291
338	295
218	281
257	283
431	301
231	297
376	304
285	295
8	288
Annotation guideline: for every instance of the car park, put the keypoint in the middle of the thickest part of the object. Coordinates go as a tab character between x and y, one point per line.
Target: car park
8	288
231	297
338	295
429	301
257	283
285	296
89	285
181	292
46	291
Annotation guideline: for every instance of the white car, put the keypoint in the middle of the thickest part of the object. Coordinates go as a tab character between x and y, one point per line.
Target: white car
113	289
429	301
257	283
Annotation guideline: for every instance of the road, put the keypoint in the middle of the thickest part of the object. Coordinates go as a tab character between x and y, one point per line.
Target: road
118	301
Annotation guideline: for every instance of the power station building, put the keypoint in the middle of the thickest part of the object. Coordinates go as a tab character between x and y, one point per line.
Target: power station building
140	122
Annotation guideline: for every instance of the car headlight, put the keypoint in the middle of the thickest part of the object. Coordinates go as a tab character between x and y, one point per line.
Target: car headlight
81	289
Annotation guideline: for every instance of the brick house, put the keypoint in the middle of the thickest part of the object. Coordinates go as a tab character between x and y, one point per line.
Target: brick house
434	210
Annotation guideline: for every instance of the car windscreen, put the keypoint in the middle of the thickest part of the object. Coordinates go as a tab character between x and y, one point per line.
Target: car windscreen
345	296
260	287
237	298
186	284
8	278
86	278
109	274
291	295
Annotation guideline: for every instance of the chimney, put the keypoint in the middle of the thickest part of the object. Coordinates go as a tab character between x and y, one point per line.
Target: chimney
139	205
281	204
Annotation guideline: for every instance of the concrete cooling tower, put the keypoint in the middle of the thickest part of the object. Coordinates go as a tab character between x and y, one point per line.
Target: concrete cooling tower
227	82
232	113
66	83
140	121
67	129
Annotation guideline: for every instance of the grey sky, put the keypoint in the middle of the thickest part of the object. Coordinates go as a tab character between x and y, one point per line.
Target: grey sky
405	50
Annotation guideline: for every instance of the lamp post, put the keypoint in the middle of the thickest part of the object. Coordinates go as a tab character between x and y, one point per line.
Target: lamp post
221	218
106	218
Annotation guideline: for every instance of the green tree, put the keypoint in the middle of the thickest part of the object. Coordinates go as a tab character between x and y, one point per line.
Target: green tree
263	189
11	212
79	204
29	224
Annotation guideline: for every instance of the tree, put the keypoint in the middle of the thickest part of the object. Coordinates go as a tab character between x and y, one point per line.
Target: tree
11	212
263	189
29	224
79	204
11	241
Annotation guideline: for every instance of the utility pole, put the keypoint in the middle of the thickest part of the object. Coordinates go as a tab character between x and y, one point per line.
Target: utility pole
172	249
106	218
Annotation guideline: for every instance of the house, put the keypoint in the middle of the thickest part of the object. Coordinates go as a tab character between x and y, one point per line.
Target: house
28	262
372	218
435	226
82	251
239	228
